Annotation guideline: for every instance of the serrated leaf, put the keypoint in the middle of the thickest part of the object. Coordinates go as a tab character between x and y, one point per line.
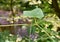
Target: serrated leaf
37	13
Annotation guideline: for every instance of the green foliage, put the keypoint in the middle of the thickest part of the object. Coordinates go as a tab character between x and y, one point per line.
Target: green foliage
39	29
36	13
6	37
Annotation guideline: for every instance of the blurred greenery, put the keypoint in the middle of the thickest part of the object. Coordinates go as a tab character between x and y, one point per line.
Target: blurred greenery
42	21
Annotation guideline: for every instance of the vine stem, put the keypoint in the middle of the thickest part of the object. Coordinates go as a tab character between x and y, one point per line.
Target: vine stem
13	25
30	32
43	29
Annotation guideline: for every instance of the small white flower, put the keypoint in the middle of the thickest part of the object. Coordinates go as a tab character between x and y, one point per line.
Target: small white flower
52	36
50	1
24	27
18	39
35	2
31	3
10	35
7	40
39	2
11	21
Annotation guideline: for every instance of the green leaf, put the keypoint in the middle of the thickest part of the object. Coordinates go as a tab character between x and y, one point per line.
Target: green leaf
35	13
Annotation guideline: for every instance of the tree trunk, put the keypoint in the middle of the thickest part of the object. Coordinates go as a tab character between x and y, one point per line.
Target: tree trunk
56	7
